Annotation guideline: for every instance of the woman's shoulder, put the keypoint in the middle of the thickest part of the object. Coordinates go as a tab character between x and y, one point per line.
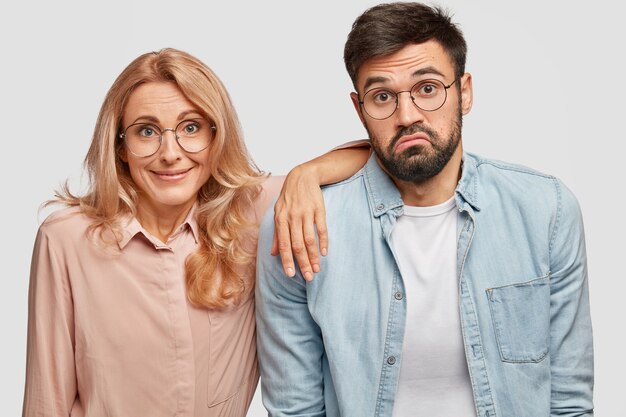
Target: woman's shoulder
269	191
272	185
66	222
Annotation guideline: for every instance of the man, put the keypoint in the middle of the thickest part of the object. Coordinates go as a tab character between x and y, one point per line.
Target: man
457	285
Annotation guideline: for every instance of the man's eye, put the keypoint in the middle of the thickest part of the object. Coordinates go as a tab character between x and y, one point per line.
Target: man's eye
382	97
427	89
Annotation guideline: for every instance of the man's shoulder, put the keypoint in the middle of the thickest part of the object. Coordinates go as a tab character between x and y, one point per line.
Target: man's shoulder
526	184
493	166
486	173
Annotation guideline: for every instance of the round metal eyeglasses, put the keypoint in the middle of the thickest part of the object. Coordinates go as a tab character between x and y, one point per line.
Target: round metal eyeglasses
427	95
144	139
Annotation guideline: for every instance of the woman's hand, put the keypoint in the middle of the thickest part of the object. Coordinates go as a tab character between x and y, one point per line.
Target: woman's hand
298	213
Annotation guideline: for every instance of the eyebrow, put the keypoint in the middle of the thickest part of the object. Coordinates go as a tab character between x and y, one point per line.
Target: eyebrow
422	71
374	80
155	120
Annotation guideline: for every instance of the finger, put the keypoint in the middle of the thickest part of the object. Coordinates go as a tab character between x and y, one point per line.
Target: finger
298	248
277	215
310	242
281	232
274	250
322	230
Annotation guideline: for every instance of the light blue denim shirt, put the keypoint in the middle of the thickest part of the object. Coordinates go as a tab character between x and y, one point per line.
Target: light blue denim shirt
333	346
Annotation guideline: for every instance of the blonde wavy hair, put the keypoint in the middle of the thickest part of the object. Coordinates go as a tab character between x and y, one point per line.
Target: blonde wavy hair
224	201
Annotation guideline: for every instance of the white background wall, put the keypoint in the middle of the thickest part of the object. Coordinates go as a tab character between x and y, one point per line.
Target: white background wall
549	93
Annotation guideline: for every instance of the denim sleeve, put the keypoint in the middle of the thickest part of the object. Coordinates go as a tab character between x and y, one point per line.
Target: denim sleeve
571	347
289	341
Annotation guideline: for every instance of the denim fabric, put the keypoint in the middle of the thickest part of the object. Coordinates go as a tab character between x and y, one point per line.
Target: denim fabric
333	346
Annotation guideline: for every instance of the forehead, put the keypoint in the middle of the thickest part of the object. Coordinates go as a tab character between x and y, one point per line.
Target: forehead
401	65
156	99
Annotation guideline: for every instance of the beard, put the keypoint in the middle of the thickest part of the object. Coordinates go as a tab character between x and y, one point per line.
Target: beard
418	163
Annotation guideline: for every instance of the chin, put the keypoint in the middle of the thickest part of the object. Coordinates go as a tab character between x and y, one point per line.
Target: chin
172	200
177	202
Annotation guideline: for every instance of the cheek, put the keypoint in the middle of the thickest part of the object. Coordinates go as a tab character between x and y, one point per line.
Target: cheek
381	130
205	174
204	167
443	123
133	166
136	169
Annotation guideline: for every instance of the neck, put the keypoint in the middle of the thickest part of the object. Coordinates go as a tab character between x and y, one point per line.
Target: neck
435	190
161	222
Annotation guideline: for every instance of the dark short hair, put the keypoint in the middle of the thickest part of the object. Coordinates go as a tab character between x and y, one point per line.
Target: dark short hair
387	28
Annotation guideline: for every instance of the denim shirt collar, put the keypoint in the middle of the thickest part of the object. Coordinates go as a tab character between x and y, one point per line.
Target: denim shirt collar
382	192
467	188
384	195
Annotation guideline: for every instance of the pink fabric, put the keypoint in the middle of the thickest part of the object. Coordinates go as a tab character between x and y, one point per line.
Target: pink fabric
111	332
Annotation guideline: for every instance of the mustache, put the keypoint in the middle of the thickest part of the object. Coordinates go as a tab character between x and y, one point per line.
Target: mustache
410	130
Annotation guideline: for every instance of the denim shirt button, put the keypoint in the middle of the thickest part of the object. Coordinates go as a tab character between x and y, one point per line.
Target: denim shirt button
391	360
398	295
380	207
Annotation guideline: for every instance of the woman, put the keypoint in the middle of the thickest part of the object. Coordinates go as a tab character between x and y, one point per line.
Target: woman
141	298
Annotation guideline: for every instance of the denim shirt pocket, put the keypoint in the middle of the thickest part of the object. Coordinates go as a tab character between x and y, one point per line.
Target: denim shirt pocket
521	320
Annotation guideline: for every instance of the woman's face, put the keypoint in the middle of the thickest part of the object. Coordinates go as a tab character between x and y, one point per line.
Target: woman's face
169	179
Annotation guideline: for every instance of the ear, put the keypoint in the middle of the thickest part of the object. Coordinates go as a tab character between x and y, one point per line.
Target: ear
357	106
467	94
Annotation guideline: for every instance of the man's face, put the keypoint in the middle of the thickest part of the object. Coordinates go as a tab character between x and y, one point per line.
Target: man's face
413	144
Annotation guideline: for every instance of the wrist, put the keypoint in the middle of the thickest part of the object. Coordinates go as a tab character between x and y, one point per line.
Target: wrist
310	170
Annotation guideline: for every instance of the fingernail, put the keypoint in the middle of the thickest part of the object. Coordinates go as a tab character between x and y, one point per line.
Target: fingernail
324	252
290	272
316	268
308	275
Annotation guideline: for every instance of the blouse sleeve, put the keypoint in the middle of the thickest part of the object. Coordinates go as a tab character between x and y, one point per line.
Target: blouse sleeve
358	143
51	386
269	191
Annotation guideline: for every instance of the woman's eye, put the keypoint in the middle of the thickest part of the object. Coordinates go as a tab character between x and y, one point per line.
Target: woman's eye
147	131
191	128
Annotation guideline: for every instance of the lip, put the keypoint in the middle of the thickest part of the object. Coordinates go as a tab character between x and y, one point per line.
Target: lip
171	174
411	140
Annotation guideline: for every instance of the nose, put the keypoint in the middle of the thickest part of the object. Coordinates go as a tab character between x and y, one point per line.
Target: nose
169	151
407	112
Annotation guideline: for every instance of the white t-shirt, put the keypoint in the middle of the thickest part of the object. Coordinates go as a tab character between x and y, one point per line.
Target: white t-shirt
434	380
